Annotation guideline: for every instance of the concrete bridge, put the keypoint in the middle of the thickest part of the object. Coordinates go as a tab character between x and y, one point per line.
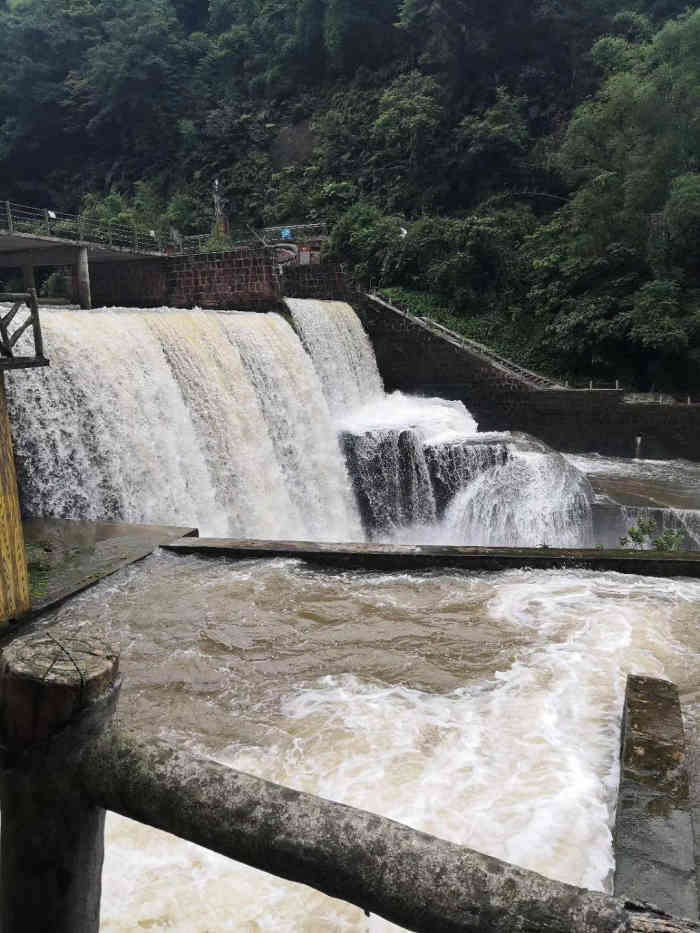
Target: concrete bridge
31	237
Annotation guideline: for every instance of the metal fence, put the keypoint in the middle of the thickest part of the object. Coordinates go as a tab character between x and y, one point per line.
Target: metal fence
245	236
21	218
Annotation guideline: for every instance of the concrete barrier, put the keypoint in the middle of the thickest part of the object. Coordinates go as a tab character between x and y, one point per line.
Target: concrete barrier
388	557
654	842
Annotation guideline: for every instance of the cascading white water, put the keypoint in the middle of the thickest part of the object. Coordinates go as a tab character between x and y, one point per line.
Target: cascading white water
222	420
340	350
531	500
297	418
411	459
153	416
104	432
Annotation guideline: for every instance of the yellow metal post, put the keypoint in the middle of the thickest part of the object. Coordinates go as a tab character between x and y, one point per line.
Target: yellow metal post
14	582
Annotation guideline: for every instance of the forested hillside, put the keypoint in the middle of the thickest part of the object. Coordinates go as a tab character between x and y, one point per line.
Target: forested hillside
527	171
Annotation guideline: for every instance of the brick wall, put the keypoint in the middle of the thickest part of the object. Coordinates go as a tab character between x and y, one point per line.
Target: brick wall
242	279
314	281
133	284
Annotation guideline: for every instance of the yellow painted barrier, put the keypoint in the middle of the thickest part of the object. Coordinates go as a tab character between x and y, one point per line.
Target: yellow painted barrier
14	583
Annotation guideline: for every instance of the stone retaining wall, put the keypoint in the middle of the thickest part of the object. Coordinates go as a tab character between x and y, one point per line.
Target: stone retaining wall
413	358
242	279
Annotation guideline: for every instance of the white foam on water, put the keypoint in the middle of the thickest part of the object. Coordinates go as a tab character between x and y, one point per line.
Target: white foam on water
104	433
434	420
520	763
340	350
298	422
154	417
533	499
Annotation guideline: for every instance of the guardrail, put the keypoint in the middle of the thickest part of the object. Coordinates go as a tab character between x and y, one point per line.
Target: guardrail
21	218
63	765
267	236
9	339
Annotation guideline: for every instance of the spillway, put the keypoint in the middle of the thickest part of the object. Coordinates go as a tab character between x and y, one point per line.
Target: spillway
257	426
482	708
187	418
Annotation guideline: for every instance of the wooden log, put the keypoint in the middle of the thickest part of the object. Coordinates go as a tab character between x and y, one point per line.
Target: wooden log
57	691
415	880
14	582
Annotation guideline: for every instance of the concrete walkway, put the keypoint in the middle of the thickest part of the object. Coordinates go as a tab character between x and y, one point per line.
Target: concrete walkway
66	557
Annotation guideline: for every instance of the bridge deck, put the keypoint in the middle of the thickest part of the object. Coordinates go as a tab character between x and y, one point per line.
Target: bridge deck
17	248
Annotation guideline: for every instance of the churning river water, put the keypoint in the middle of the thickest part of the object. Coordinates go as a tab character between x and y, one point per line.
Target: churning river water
483	708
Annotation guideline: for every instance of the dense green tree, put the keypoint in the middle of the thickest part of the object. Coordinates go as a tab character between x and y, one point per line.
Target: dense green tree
534	167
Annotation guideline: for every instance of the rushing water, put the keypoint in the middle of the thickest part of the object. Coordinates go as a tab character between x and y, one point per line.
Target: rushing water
483	708
239	425
184	418
340	350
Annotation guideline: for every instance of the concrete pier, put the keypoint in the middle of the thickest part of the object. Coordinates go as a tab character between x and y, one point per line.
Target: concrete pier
83	278
654	842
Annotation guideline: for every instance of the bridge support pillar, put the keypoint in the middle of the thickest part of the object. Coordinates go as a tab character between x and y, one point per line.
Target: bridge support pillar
82	278
28	276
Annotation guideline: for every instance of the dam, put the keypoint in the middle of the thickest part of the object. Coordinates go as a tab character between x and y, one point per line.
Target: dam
483	708
271	426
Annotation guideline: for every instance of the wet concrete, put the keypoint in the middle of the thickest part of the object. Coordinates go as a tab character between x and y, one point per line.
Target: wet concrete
382	557
66	557
654	841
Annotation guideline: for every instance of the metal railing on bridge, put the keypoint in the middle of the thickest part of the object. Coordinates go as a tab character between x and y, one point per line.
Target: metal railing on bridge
267	236
53	224
21	218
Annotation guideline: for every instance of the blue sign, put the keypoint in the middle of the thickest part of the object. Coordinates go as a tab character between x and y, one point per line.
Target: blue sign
286	233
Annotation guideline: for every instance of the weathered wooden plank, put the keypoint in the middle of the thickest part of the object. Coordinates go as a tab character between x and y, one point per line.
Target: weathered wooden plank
14	583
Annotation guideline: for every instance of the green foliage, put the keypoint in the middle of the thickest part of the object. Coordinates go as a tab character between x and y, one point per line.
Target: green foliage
542	158
644	535
56	285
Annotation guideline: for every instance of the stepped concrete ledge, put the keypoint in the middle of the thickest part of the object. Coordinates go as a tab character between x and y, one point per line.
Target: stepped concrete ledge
382	557
66	557
654	842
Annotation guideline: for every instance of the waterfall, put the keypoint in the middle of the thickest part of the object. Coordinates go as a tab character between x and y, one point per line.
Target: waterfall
534	499
340	350
104	432
298	421
235	424
168	417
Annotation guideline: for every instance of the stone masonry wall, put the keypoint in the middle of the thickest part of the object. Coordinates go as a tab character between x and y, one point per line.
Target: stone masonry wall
314	281
413	359
242	279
